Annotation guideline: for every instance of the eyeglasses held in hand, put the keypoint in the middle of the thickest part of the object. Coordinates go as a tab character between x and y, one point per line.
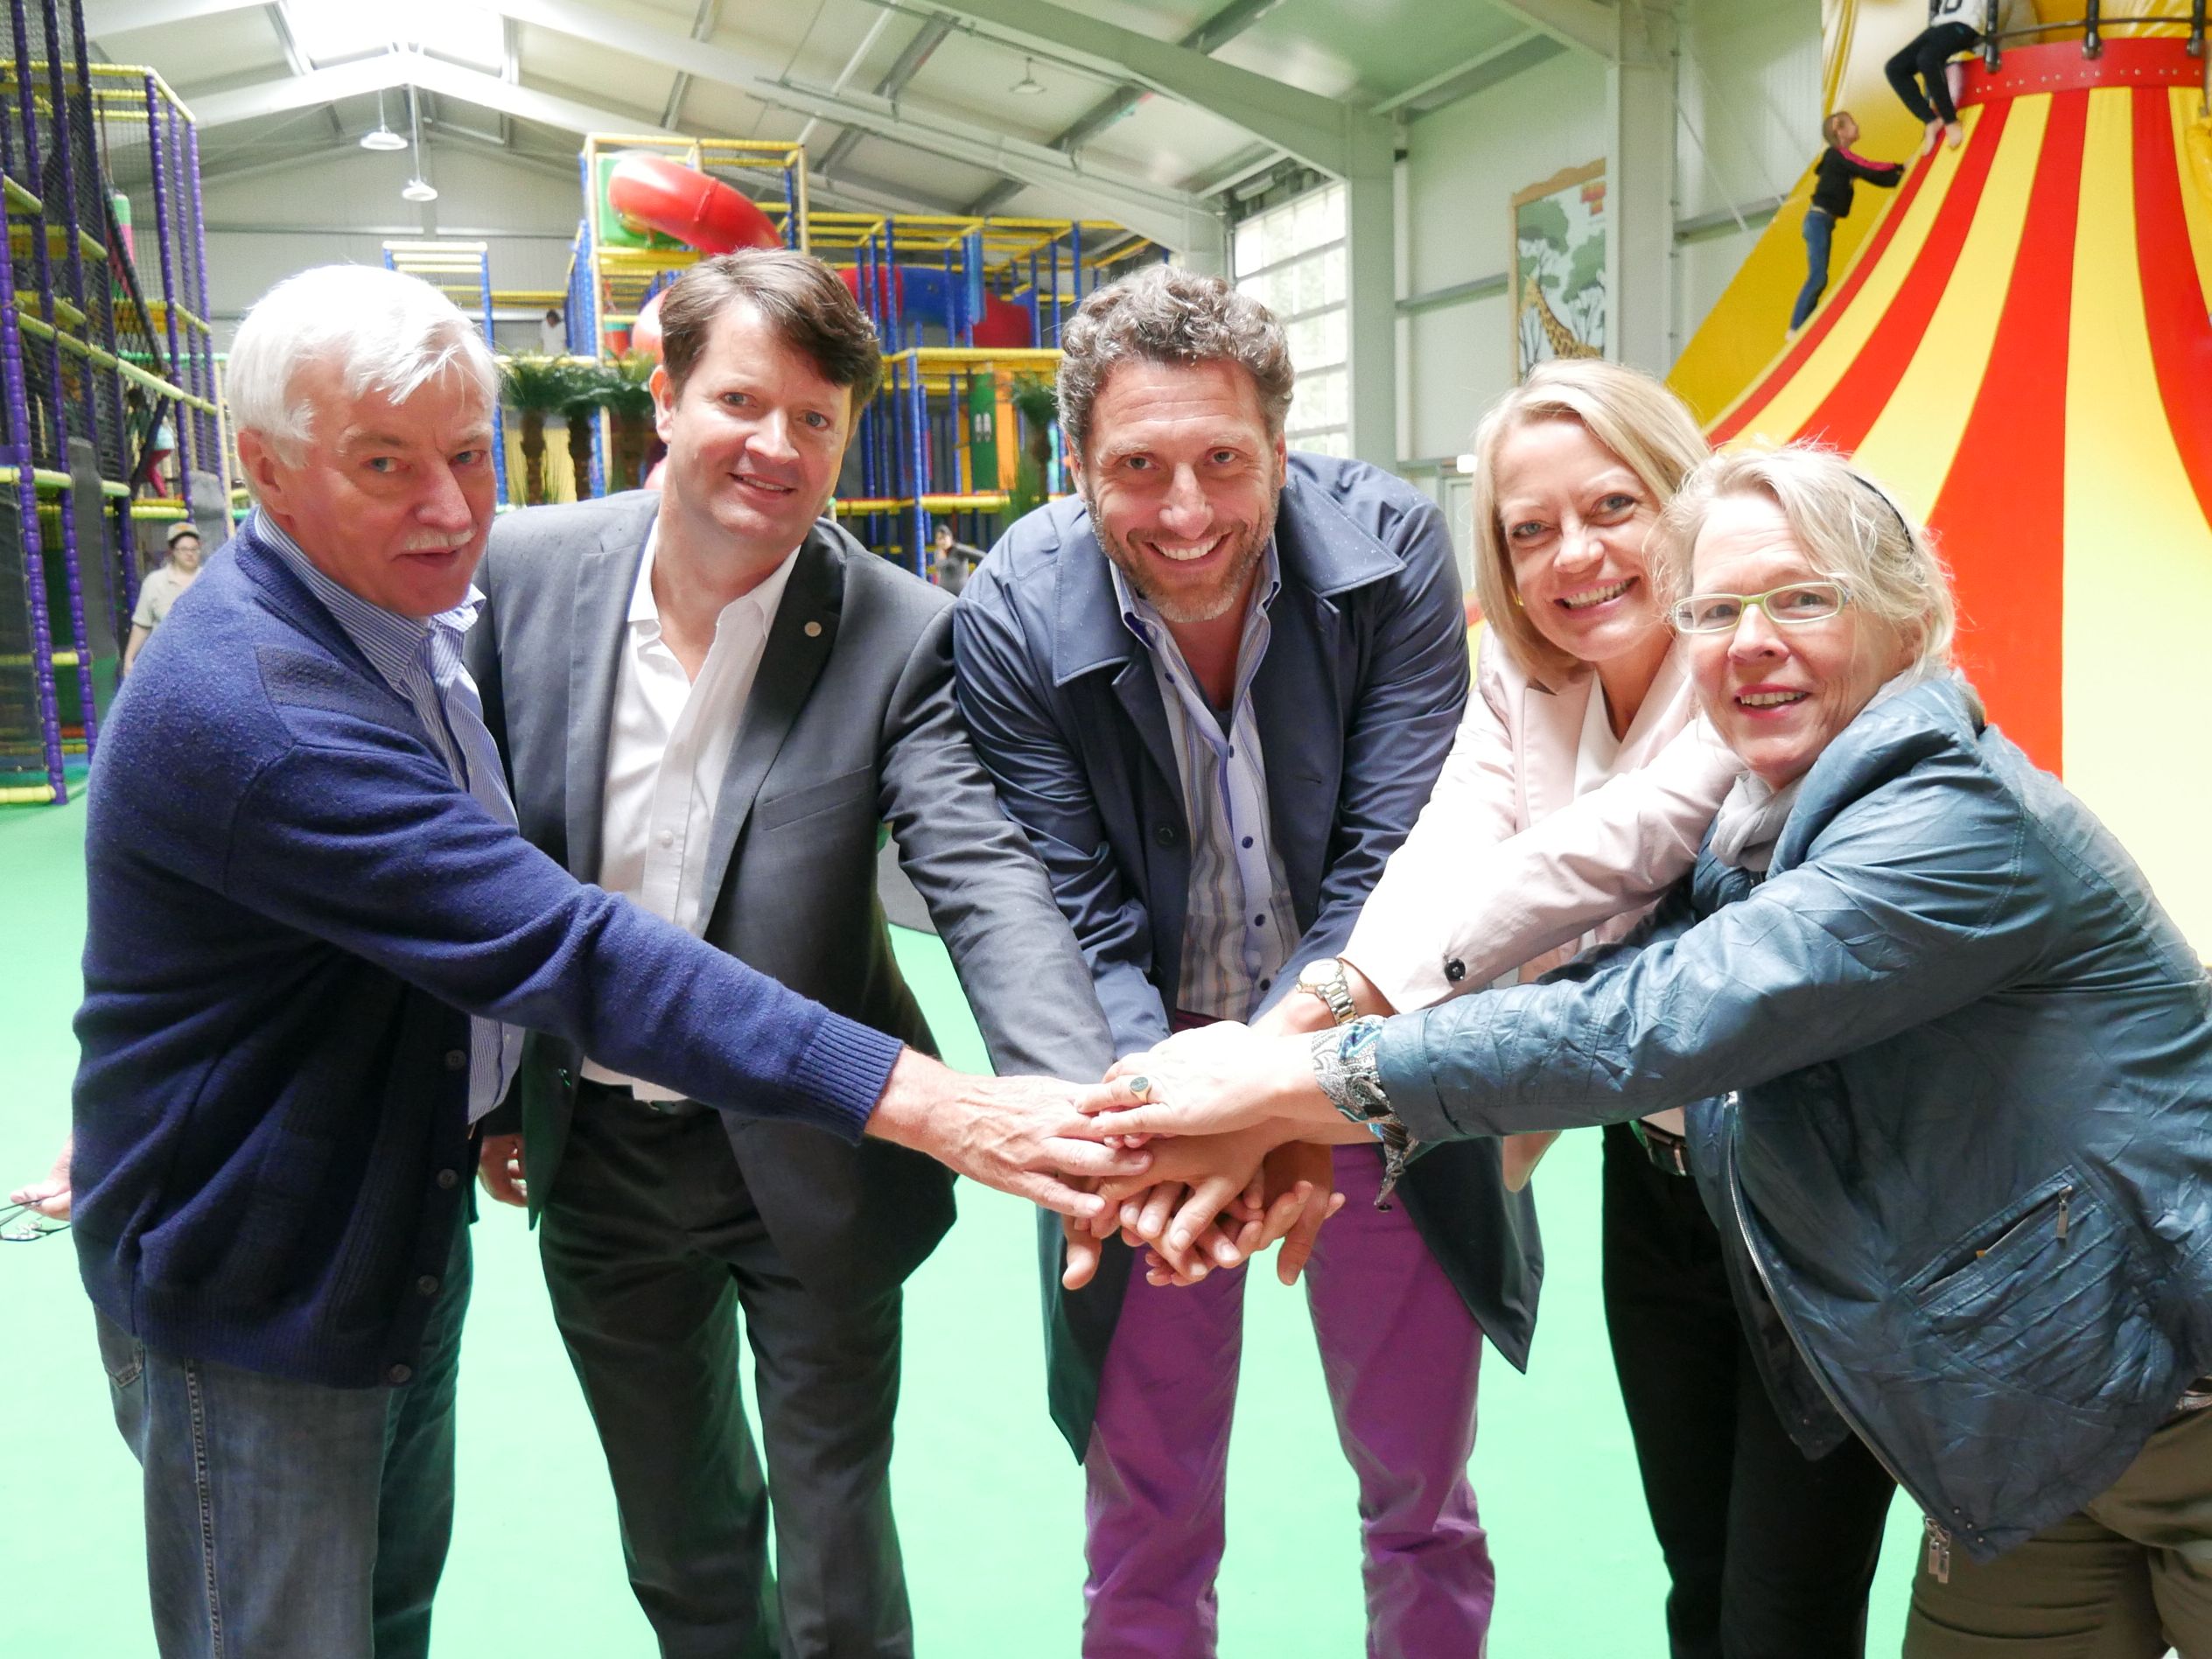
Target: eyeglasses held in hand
1798	602
20	1224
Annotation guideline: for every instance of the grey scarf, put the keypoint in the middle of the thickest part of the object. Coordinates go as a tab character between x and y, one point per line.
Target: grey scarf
1751	818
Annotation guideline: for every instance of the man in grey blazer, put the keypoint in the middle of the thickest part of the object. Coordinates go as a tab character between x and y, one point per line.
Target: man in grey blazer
716	703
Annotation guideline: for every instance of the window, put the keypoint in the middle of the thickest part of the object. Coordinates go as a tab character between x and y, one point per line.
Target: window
328	32
1291	258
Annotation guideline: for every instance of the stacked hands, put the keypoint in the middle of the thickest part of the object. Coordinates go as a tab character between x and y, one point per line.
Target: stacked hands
1226	1175
1206	1150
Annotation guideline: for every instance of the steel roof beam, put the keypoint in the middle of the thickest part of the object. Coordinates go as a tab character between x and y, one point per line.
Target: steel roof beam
395	69
1583	24
1323	132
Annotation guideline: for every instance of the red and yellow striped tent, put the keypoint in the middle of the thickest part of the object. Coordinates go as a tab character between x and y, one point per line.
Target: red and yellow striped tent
2021	350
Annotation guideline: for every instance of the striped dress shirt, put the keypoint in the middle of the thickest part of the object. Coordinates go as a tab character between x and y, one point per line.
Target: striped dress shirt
420	659
1239	925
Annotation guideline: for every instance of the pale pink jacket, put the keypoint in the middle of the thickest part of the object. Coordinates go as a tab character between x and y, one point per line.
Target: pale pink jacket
1505	869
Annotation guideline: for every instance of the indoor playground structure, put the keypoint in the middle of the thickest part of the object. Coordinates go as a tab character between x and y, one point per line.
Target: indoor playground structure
2020	346
462	270
965	306
107	378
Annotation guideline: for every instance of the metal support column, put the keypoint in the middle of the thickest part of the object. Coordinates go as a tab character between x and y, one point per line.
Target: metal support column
1370	308
1640	190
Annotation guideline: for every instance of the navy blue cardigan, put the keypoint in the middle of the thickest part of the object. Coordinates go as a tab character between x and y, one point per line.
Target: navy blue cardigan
292	910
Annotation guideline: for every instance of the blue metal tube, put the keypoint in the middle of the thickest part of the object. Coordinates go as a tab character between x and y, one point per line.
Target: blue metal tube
583	315
918	403
499	418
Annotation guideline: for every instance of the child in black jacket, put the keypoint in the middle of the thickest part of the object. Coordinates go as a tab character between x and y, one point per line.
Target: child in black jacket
1832	189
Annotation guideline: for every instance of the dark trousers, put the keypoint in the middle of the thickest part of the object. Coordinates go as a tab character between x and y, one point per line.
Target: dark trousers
1770	1553
651	1245
1924	59
1820	231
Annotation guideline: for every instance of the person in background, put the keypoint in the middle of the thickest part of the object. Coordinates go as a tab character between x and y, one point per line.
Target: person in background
552	334
1839	173
1948	1069
161	450
1214	687
712	700
161	588
955	561
1920	71
309	959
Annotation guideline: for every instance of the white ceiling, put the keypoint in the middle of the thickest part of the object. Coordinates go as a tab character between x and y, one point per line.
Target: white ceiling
779	69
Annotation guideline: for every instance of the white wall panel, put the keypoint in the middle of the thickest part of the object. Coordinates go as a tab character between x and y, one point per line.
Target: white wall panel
343	206
1749	85
1464	164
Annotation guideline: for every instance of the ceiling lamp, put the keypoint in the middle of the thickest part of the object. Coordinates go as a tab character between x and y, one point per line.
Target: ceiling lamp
1028	85
383	138
418	188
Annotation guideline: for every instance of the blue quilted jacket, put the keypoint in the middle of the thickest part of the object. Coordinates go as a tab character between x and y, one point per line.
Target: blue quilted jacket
1949	1075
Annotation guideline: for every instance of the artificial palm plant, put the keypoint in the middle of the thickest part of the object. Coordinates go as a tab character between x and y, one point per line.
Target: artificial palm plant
587	396
1037	405
628	401
535	386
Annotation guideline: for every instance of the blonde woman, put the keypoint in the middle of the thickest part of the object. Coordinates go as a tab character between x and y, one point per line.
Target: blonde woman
1579	789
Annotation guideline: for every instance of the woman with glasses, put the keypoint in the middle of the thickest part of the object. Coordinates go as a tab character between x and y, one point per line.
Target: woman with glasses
1949	1070
1577	792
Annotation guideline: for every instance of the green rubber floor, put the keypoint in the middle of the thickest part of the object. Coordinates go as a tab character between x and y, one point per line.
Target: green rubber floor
989	1501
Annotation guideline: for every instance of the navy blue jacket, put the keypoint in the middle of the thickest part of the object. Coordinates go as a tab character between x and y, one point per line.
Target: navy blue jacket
292	911
1357	700
1961	1133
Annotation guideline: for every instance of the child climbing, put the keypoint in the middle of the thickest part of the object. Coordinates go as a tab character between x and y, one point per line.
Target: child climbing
1923	59
1833	186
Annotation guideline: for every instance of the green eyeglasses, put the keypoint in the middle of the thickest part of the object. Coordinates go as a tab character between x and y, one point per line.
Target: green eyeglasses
1798	602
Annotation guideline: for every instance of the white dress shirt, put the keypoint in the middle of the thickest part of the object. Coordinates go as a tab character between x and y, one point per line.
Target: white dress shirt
668	742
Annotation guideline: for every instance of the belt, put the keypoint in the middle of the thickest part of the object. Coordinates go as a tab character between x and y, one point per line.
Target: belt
599	1094
1668	1153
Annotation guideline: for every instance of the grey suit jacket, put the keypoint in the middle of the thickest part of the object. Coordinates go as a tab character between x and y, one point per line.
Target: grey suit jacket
850	729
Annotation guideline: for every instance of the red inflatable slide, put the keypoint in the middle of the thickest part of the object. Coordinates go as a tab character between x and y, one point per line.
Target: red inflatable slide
682	202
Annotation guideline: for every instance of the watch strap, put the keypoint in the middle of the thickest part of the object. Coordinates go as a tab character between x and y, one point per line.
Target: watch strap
1324	978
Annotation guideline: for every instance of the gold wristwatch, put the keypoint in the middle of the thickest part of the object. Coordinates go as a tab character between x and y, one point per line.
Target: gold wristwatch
1324	978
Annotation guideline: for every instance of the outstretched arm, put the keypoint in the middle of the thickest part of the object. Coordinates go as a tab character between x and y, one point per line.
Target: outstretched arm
1906	908
989	896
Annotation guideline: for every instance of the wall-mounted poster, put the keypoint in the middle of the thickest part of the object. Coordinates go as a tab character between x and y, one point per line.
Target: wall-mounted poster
1559	268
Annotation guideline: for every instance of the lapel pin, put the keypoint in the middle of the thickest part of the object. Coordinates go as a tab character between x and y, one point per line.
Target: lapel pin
814	630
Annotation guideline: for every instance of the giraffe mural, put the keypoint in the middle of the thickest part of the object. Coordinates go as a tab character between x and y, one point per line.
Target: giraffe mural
1562	338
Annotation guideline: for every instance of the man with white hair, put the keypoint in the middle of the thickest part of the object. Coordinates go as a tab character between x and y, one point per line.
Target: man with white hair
308	965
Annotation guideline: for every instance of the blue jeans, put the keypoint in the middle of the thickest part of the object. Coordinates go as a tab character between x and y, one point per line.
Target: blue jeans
287	1517
1820	230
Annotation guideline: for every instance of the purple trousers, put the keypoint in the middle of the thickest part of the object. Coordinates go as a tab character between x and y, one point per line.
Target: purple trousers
1400	1352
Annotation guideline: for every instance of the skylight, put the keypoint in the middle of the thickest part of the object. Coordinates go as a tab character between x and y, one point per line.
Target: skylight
330	31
